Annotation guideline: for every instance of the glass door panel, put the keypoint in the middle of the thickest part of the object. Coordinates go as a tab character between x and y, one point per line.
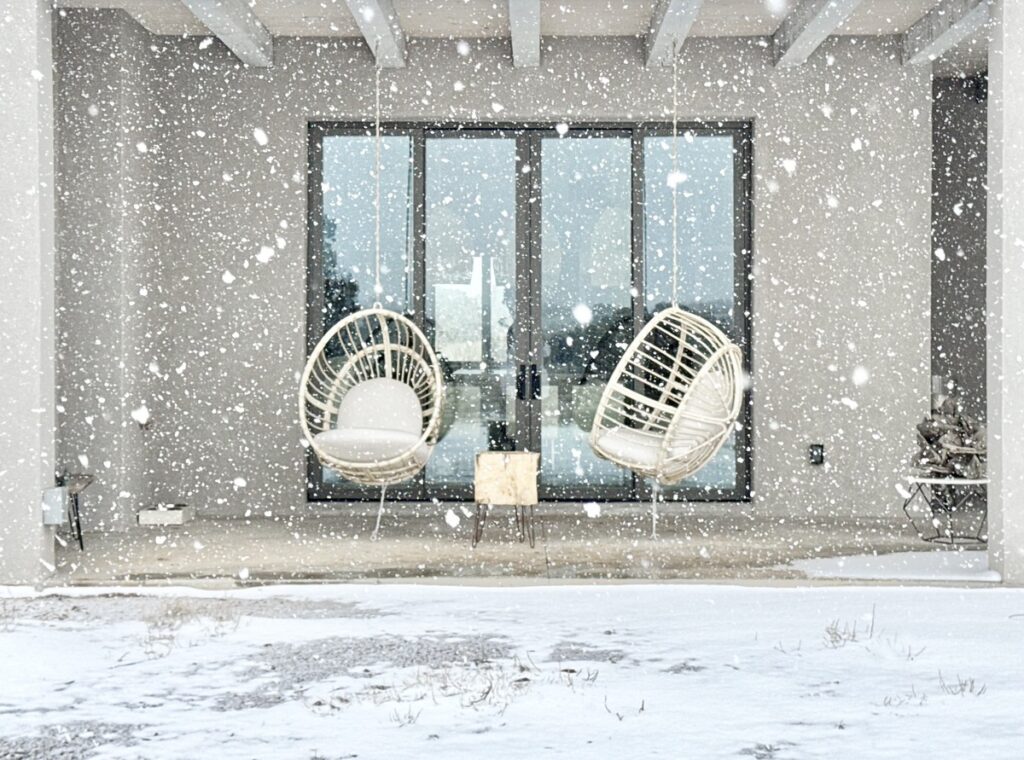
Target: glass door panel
347	245
586	318
471	292
706	243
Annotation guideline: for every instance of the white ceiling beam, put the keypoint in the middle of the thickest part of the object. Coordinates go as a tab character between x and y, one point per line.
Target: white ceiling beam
235	24
524	21
807	26
942	28
670	24
378	22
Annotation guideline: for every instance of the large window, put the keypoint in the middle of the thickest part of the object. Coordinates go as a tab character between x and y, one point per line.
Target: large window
530	257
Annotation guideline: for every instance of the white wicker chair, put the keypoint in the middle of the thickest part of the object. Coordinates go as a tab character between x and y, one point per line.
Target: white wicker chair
672	400
371	399
675	395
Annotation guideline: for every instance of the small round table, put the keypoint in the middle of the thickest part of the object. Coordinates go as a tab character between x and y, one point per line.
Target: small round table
952	506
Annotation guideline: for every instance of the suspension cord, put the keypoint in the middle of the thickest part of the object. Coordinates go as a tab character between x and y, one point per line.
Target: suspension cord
378	289
675	173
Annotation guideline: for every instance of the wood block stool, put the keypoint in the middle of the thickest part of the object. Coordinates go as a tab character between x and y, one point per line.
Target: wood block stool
506	479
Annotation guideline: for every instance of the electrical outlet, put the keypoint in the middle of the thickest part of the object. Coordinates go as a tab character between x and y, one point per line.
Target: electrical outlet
816	453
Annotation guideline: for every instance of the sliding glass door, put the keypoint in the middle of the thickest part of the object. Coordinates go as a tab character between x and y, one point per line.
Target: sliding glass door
584	241
471	297
531	257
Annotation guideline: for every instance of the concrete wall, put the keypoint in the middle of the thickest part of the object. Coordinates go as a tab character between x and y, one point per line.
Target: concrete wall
108	259
842	178
26	290
959	237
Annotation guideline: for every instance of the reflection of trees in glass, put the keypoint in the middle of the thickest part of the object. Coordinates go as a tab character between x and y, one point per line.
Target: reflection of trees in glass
341	298
330	249
591	352
341	291
718	313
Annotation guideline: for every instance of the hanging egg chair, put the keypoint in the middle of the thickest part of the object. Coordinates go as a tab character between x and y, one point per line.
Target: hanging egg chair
675	395
372	398
672	400
371	395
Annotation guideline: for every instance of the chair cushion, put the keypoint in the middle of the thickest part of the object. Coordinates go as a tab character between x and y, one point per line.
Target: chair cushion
632	446
378	420
381	404
708	398
371	446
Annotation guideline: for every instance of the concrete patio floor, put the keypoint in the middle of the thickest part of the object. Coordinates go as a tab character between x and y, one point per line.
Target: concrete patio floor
417	542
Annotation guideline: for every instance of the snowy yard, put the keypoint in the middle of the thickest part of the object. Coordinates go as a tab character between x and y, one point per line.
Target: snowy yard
402	671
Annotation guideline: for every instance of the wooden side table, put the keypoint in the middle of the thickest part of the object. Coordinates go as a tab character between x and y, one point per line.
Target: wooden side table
506	479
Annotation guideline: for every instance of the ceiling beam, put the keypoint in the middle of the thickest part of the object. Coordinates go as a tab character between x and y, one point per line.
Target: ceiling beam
235	24
378	22
670	23
807	26
942	28
524	20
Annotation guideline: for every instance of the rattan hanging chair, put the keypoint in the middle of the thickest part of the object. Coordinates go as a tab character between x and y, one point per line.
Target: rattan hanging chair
673	399
372	398
371	395
676	393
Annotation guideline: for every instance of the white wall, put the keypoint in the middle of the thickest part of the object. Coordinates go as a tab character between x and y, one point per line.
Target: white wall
841	240
26	290
1003	287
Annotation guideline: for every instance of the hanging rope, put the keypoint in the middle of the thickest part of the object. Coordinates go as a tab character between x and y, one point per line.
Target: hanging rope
675	173
378	289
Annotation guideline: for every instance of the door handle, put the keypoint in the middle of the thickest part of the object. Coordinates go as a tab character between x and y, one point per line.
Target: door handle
521	382
534	382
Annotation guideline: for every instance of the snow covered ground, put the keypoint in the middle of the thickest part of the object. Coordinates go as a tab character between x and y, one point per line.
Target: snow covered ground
590	671
942	565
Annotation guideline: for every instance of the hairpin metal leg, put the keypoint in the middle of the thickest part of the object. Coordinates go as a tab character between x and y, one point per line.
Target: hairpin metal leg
478	524
76	520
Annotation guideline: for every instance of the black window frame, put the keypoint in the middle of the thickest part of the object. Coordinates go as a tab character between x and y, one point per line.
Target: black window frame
420	131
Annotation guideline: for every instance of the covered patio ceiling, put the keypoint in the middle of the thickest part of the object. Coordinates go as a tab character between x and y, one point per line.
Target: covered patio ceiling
949	33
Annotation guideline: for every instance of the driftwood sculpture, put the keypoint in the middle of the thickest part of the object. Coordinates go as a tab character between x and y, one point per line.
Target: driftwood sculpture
952	444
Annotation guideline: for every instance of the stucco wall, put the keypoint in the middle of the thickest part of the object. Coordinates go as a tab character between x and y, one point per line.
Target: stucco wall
108	257
842	164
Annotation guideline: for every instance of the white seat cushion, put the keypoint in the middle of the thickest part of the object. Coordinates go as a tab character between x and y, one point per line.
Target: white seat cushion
631	446
369	446
381	404
378	420
641	449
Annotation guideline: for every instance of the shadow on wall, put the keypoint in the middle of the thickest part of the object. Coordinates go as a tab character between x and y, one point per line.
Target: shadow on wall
959	132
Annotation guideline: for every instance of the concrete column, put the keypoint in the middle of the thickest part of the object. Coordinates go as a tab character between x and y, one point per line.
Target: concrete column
1005	282
26	289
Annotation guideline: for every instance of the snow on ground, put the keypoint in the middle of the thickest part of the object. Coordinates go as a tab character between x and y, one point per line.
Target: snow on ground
941	565
594	671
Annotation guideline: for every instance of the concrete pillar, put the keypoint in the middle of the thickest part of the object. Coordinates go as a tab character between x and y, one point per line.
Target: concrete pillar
1005	280
26	289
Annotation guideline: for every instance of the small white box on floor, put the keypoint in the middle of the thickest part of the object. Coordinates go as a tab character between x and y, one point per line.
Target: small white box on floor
166	514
